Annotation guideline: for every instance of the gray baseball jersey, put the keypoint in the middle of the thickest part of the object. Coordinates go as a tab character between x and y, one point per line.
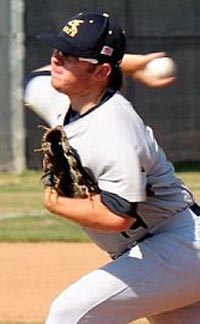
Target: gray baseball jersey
121	153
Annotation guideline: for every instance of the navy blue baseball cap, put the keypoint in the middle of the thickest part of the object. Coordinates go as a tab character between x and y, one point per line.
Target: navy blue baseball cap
93	36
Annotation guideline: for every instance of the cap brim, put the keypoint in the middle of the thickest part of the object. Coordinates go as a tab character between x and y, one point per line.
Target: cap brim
57	42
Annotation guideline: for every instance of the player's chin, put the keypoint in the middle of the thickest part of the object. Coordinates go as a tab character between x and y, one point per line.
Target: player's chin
57	84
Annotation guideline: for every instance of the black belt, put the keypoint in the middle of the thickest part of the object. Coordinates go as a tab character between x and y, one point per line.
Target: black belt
146	236
196	209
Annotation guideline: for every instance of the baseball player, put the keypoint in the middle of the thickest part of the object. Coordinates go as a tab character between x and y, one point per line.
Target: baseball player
145	218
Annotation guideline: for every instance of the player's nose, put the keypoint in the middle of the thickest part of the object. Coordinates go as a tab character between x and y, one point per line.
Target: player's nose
57	57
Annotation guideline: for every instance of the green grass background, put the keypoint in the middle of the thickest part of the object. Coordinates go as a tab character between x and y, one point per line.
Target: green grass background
24	219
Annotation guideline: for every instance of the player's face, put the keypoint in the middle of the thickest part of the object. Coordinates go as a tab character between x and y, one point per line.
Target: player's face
71	76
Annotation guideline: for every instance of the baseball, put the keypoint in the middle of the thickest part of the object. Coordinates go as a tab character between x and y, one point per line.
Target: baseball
163	67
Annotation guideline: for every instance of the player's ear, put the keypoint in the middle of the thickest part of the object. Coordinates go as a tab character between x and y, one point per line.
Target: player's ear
103	71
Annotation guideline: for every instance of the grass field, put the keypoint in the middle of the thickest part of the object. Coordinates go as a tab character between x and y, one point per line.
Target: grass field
23	217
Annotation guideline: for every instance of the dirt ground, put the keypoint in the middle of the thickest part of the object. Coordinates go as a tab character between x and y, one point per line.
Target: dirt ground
32	274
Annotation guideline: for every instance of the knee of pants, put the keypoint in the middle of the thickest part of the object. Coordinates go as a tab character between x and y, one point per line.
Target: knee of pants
63	311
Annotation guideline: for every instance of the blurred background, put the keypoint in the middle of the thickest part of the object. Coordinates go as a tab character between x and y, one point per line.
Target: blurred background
172	26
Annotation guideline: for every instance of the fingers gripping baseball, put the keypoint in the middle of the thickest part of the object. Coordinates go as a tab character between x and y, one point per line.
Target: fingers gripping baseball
154	69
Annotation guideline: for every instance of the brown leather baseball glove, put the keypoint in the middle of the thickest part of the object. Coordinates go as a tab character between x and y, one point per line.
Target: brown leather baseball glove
62	168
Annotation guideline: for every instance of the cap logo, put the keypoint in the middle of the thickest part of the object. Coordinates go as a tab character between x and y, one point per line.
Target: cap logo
71	29
107	50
